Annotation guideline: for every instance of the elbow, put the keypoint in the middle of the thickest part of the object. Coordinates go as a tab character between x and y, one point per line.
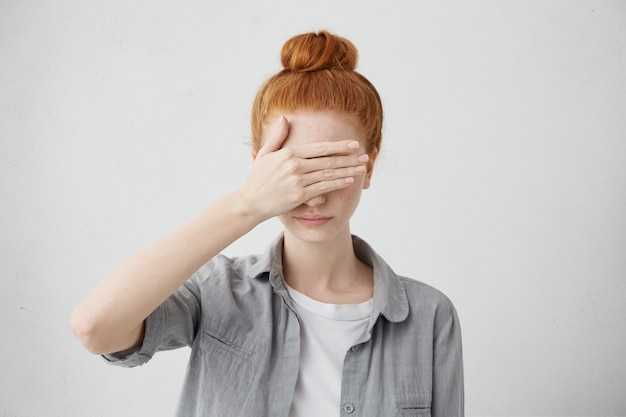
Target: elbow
87	330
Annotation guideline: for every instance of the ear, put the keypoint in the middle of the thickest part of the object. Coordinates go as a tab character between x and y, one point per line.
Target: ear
368	179
370	168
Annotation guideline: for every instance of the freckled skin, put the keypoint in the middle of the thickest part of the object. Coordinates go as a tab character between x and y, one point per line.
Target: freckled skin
339	205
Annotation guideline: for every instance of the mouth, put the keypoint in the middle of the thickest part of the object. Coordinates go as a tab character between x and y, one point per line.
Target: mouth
312	220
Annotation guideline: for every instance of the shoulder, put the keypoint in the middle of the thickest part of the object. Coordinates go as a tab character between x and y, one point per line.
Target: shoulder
400	295
222	267
422	291
243	267
424	298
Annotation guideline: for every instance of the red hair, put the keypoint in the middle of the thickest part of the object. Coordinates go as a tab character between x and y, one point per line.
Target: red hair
319	74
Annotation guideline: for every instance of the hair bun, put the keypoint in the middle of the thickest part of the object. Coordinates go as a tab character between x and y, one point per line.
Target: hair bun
317	51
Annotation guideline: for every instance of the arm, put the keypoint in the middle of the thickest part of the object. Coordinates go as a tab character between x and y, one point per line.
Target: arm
448	390
112	317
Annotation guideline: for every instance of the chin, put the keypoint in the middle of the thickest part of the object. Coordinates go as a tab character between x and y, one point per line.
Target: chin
312	237
326	233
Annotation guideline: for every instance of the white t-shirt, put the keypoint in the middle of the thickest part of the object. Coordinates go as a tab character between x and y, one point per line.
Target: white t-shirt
327	331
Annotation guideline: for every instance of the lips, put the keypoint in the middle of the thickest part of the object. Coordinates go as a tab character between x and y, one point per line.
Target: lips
312	219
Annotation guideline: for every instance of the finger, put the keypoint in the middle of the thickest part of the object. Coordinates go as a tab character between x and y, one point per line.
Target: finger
334	174
323	187
333	162
319	149
275	136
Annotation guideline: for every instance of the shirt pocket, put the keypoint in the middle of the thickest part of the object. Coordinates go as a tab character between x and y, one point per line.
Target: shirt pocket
414	405
219	350
221	368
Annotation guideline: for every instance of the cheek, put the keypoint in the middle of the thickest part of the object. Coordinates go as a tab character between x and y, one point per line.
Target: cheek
347	197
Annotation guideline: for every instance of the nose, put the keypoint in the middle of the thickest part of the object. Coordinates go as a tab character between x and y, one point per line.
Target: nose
316	201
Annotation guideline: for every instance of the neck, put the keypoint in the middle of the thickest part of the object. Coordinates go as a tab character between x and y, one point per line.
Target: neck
327	271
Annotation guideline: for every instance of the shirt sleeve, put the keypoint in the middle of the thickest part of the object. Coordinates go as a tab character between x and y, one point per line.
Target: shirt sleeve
448	389
172	325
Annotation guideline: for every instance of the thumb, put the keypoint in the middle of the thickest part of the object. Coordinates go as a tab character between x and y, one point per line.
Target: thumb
275	136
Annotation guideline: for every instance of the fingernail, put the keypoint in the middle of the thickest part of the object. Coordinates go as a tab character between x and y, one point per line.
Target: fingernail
360	168
349	180
354	144
363	158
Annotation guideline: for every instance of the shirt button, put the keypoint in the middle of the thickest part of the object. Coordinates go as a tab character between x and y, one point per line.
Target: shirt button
348	408
355	348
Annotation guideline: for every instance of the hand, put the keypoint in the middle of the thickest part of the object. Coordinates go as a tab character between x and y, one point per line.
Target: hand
283	178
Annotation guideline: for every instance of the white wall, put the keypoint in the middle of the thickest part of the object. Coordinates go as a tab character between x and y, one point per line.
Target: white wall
502	180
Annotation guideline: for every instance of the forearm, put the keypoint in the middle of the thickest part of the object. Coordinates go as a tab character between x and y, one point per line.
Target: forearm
111	317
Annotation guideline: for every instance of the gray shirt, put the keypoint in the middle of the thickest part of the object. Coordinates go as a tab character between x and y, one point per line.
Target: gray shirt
243	329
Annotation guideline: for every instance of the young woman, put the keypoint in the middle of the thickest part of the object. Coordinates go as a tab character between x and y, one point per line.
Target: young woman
319	325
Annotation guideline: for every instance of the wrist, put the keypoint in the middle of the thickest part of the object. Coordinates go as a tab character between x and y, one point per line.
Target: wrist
246	209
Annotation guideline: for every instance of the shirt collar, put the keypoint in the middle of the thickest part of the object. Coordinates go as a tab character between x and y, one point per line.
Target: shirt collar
390	297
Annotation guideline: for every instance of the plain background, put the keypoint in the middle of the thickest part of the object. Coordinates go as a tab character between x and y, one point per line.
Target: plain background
502	179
